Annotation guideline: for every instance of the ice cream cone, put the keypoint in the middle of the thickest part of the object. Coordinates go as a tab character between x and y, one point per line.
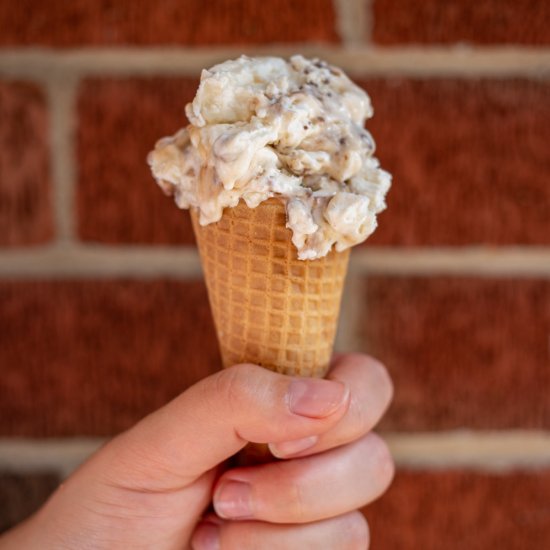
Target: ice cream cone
269	307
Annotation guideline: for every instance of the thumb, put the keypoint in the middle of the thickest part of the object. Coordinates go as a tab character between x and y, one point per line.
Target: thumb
216	417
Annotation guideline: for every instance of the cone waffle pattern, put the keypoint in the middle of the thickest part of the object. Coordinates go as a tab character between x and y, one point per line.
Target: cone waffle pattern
269	307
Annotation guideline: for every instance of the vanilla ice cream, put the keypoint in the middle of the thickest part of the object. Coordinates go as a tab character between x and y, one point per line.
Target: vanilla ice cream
264	127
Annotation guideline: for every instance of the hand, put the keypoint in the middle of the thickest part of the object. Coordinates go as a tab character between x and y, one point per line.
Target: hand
150	486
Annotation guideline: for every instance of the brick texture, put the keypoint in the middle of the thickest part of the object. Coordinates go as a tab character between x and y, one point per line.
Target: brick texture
471	21
165	22
469	158
23	494
440	168
463	352
25	201
463	510
119	123
93	357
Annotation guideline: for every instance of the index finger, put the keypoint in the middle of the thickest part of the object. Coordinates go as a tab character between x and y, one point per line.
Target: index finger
371	393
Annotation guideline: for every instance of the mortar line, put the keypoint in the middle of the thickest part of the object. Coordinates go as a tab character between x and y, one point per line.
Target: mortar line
61	99
479	261
67	260
80	261
353	314
493	451
485	450
458	61
368	20
351	21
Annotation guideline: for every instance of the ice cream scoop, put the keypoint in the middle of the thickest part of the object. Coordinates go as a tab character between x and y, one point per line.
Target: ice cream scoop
263	128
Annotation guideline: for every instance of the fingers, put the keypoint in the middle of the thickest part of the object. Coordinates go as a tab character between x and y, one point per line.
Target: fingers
307	489
371	393
215	418
346	532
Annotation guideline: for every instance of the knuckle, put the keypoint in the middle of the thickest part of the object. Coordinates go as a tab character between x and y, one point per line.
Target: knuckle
381	468
230	385
359	421
296	505
364	414
357	532
384	461
382	374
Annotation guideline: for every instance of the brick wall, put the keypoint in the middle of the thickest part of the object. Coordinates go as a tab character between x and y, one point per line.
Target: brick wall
453	291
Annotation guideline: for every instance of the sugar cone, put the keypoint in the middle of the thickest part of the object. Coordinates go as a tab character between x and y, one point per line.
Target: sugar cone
269	308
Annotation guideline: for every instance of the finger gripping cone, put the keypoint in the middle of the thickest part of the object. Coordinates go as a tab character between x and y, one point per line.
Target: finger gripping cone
269	308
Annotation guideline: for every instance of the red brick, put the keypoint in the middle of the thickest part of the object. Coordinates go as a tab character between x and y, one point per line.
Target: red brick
463	352
25	201
23	494
447	165
165	22
92	357
119	123
469	158
471	21
463	510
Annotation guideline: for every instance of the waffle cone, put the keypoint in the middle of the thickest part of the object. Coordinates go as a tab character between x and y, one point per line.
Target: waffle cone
269	308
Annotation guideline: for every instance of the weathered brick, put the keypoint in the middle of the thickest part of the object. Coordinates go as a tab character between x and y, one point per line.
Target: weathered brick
469	158
119	123
463	352
166	22
93	357
471	21
25	194
23	494
459	510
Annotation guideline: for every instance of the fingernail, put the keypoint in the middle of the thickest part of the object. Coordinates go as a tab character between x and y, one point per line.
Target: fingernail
288	448
207	537
232	500
316	398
